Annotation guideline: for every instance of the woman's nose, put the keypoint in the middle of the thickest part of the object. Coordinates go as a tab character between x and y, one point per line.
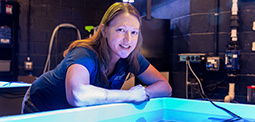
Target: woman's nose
128	37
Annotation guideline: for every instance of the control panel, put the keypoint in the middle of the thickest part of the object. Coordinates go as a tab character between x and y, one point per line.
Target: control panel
232	59
192	57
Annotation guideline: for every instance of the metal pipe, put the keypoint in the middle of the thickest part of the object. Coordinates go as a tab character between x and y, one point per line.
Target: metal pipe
216	28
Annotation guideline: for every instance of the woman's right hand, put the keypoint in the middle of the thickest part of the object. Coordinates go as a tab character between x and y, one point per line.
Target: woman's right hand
138	93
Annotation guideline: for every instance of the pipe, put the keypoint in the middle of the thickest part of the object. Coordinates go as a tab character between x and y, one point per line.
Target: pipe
148	15
233	46
216	28
234	20
234	8
67	25
231	93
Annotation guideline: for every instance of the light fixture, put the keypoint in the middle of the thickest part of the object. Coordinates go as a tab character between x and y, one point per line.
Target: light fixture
128	1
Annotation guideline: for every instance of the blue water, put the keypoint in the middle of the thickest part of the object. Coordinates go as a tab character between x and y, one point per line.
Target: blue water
175	116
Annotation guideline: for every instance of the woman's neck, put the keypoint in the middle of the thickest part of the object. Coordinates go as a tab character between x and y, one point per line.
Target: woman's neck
111	66
110	69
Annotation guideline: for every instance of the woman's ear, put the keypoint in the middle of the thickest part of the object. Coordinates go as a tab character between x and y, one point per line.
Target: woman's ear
103	30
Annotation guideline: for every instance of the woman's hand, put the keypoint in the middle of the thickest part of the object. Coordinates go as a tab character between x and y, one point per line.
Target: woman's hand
138	93
158	86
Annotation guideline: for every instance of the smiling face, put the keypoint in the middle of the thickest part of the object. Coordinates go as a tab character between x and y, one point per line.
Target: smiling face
122	35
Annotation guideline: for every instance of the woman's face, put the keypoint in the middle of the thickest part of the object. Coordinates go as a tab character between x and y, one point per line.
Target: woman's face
122	35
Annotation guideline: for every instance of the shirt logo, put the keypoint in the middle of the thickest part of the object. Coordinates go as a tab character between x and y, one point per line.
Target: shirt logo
119	77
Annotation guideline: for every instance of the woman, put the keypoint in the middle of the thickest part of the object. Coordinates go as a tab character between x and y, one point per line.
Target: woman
94	69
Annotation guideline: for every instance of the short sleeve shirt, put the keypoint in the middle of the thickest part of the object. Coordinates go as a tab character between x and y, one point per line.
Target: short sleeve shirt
48	91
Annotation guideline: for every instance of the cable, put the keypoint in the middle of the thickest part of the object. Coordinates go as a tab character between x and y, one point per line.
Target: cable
212	87
224	109
47	64
206	98
187	75
195	76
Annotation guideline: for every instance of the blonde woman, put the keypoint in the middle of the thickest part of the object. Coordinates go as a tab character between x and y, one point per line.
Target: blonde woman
94	69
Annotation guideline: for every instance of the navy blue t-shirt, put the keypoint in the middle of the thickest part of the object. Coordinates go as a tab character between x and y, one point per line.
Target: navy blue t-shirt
48	91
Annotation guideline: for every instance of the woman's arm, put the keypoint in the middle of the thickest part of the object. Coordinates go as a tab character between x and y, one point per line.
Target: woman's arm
79	92
158	86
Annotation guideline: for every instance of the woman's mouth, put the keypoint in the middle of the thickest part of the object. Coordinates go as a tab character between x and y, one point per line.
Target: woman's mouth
125	46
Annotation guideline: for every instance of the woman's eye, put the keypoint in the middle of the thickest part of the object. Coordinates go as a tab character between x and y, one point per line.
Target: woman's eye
121	30
134	32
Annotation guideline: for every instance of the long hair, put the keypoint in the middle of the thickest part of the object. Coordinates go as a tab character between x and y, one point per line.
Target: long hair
98	43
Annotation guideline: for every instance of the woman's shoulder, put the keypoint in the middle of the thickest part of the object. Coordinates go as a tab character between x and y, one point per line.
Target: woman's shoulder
83	56
82	51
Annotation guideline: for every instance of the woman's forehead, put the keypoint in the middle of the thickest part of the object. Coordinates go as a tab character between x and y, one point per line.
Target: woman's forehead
125	19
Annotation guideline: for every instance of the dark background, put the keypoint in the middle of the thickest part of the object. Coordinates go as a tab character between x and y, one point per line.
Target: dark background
192	30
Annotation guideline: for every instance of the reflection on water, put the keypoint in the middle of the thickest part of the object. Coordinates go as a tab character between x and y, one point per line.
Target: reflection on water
175	116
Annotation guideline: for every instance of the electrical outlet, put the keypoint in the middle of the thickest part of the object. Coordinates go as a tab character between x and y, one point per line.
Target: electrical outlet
191	57
28	65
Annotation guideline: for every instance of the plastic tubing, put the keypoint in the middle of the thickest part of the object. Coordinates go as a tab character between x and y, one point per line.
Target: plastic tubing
66	25
231	93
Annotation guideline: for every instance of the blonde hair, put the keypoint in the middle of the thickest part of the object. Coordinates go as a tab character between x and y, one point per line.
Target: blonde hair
99	44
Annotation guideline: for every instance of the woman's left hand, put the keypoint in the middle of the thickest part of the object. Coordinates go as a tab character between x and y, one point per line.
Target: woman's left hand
138	93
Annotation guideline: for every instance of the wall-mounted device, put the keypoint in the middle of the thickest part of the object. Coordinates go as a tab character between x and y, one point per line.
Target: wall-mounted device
232	60
192	57
28	65
213	63
9	26
5	35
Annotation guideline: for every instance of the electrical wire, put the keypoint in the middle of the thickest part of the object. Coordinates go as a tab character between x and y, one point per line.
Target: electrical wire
47	64
187	75
199	82
212	87
206	98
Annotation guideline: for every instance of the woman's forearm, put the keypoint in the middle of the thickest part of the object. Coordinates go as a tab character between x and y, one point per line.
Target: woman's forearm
159	89
92	95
